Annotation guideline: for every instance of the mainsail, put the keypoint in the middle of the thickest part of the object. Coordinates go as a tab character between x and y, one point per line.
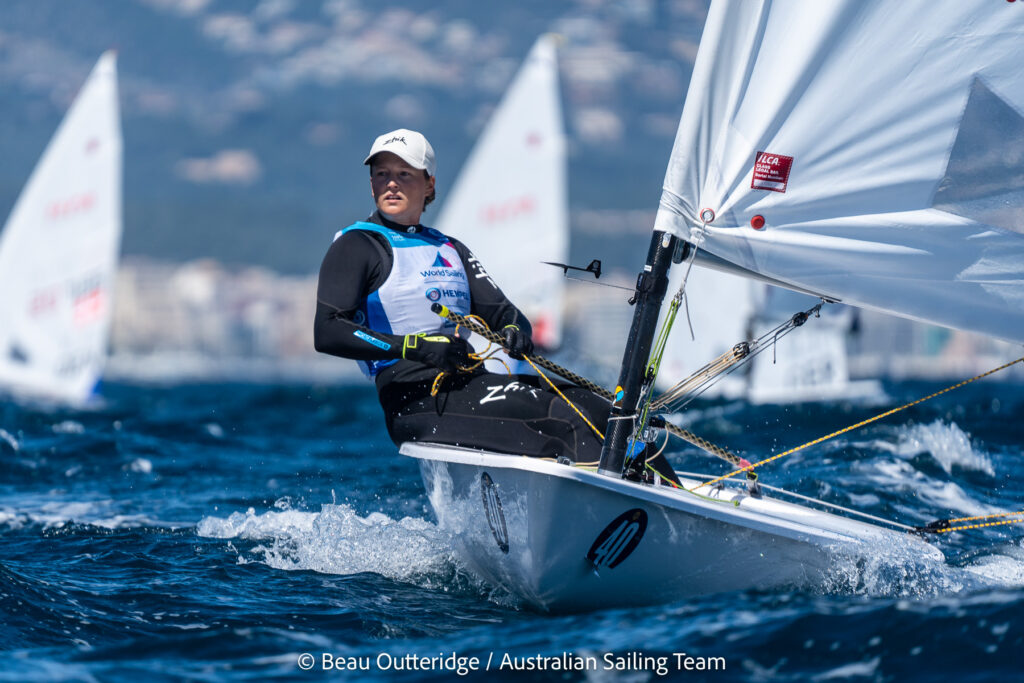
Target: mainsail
878	160
509	202
58	252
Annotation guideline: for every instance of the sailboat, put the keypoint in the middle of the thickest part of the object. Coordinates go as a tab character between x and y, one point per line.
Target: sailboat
862	151
58	253
510	199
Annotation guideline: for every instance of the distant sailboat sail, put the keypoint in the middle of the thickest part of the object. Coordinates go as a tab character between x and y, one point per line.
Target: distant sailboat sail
58	252
509	201
876	167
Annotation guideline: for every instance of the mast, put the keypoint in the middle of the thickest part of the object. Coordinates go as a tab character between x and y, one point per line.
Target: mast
651	285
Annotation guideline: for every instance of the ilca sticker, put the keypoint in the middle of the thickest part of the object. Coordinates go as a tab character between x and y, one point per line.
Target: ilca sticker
771	172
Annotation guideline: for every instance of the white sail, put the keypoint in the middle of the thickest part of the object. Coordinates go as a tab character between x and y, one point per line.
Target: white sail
509	202
58	252
884	151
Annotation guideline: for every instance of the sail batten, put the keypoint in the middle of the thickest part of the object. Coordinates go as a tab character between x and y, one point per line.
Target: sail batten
880	143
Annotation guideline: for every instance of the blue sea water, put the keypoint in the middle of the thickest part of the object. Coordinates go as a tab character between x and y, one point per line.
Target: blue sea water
223	532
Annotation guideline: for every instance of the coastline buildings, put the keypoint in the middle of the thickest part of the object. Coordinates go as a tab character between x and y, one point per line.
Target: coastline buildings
205	320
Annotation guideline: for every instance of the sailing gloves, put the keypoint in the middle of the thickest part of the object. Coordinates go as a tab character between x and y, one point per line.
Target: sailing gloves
517	342
443	351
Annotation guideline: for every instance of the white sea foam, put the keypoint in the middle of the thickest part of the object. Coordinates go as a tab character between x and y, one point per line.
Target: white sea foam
948	444
900	476
141	465
10	519
9	439
1004	566
338	541
252	526
853	670
68	427
58	514
895	568
1000	569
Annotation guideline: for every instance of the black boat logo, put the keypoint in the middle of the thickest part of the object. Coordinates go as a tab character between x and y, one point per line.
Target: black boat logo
495	515
618	540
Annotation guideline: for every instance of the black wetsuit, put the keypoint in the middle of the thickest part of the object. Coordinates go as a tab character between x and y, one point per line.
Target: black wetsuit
505	413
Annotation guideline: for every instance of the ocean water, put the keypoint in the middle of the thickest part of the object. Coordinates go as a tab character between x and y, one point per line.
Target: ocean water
243	532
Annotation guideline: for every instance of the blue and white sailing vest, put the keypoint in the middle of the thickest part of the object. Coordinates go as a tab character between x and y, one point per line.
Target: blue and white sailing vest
426	269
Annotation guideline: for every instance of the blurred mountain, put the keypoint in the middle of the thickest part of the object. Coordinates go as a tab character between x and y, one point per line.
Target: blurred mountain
245	121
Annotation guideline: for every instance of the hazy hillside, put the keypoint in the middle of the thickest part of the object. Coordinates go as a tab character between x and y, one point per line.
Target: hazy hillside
245	121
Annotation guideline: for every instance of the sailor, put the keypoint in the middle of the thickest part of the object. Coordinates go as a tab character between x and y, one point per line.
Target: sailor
377	283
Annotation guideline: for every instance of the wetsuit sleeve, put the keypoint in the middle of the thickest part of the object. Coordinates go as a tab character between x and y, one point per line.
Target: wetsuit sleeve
489	302
354	267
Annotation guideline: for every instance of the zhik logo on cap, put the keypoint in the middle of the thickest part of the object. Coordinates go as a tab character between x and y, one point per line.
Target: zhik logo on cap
408	145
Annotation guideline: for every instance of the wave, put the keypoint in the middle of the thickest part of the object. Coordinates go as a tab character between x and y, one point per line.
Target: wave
105	514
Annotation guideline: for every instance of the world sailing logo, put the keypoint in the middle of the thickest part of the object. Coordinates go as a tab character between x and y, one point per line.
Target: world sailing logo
442	267
618	540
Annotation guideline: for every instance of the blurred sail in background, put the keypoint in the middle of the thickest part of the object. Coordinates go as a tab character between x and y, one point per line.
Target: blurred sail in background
509	203
59	252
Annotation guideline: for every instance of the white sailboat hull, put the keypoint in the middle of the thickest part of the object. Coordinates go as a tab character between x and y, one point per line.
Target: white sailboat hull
565	539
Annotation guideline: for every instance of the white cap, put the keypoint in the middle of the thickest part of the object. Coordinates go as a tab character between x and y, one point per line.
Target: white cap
411	146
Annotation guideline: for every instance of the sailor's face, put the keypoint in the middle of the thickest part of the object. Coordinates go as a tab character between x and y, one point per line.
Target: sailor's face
399	190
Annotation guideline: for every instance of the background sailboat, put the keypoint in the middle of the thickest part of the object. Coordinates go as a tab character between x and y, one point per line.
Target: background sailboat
509	201
724	309
58	252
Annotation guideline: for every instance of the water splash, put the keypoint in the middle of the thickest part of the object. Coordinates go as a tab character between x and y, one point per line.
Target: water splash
337	540
947	444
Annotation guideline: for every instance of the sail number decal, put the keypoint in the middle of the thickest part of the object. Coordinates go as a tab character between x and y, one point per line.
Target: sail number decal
495	515
619	539
771	172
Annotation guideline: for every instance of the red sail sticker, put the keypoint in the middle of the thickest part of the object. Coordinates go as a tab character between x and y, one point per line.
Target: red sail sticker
771	172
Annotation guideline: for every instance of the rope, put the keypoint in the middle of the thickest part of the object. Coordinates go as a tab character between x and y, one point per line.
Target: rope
992	516
585	383
979	526
942	526
680	395
864	422
660	475
565	398
706	445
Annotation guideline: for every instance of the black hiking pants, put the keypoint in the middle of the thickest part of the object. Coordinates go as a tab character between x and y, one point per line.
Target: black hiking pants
515	414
